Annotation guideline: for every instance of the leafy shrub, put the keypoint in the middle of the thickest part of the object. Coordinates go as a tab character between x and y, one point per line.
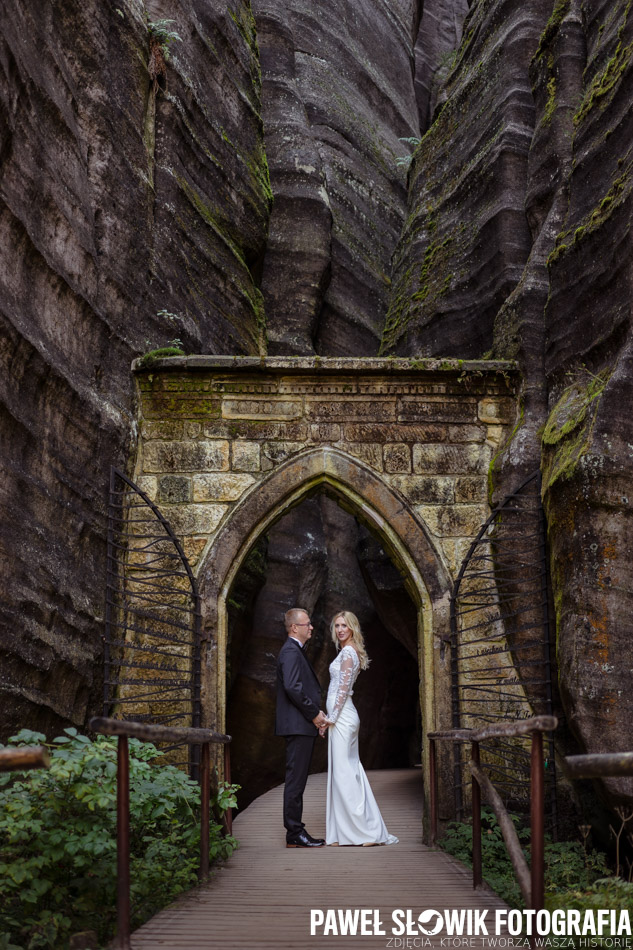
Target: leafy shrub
566	864
609	893
58	839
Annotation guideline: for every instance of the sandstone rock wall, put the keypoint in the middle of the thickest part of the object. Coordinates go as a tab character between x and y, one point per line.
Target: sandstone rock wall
132	211
518	244
338	95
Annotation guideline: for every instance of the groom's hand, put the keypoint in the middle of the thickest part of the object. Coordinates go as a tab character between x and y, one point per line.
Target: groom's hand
319	720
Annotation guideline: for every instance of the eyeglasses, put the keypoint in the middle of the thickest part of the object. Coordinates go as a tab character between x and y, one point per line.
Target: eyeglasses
308	624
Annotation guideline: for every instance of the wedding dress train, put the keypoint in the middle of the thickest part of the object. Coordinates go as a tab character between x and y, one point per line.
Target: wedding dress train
352	814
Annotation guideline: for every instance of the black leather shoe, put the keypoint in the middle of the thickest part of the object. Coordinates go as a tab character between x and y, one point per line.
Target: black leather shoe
304	840
315	841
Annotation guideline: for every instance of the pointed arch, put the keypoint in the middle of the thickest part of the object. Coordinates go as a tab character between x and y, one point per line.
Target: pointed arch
366	495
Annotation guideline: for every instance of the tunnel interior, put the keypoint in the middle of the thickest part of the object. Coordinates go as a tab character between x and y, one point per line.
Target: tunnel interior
320	557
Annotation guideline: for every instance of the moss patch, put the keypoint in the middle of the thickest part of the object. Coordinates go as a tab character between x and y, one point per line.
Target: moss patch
551	27
617	194
601	88
567	433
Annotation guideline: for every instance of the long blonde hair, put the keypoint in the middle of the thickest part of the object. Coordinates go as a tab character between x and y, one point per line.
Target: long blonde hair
357	637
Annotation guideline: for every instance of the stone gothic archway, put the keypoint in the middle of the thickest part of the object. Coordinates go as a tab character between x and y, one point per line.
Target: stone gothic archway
227	445
403	536
363	493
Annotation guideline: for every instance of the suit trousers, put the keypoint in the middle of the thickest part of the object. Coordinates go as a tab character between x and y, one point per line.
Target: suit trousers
298	757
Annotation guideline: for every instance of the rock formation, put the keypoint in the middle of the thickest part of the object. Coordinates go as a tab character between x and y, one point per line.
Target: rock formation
136	208
133	210
518	244
337	97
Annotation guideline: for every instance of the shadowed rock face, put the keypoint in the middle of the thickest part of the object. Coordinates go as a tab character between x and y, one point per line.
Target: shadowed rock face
518	243
337	95
118	200
466	239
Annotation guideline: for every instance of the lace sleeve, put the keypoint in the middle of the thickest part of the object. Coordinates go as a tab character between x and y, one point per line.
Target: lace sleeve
348	663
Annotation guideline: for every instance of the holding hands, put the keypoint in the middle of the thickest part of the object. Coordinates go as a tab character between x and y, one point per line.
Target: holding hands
321	722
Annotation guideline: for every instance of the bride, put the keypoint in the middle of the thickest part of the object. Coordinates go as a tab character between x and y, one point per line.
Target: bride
352	815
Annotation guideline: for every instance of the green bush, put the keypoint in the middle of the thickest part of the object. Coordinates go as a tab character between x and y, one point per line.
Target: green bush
58	839
566	864
609	893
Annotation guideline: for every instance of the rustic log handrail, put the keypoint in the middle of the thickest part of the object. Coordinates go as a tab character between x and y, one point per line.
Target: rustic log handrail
501	730
147	732
531	880
508	830
599	765
20	758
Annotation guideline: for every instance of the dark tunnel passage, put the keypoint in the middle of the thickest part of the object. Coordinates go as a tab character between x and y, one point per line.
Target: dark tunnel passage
320	557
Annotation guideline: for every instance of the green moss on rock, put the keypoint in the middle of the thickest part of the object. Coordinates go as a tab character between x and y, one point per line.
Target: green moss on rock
551	27
567	433
604	83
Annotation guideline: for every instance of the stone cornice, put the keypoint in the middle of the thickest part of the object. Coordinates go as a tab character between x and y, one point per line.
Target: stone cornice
327	365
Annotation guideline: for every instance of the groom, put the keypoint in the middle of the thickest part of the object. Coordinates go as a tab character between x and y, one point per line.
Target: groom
299	716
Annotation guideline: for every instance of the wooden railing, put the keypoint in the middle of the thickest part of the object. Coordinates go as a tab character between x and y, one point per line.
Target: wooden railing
600	765
150	733
20	758
531	879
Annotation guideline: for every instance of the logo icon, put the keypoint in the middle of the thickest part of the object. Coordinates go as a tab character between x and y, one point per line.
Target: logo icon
430	922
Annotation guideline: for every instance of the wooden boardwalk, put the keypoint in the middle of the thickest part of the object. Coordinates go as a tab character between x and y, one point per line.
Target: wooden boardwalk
262	897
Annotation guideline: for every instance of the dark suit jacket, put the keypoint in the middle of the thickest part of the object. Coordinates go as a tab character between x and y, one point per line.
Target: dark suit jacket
298	692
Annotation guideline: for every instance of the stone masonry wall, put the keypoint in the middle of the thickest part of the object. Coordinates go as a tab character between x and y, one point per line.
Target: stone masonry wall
212	428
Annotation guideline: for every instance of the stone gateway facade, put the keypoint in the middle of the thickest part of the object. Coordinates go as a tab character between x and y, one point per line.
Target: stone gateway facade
227	445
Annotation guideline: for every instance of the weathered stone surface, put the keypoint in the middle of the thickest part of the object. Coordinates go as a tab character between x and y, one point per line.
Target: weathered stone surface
338	94
469	458
439	35
345	410
496	410
420	490
175	489
518	243
245	456
368	452
414	409
471	489
227	487
454	267
397	457
261	408
325	432
186	456
275	452
194	519
149	484
130	214
459	521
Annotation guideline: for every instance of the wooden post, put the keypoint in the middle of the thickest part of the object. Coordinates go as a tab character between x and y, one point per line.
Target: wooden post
205	781
228	817
476	797
123	844
433	791
537	820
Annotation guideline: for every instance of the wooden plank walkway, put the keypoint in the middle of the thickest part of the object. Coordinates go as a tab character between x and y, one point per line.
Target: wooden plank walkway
262	897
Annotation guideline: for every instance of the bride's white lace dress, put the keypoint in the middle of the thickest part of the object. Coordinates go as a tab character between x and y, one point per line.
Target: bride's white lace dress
352	814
